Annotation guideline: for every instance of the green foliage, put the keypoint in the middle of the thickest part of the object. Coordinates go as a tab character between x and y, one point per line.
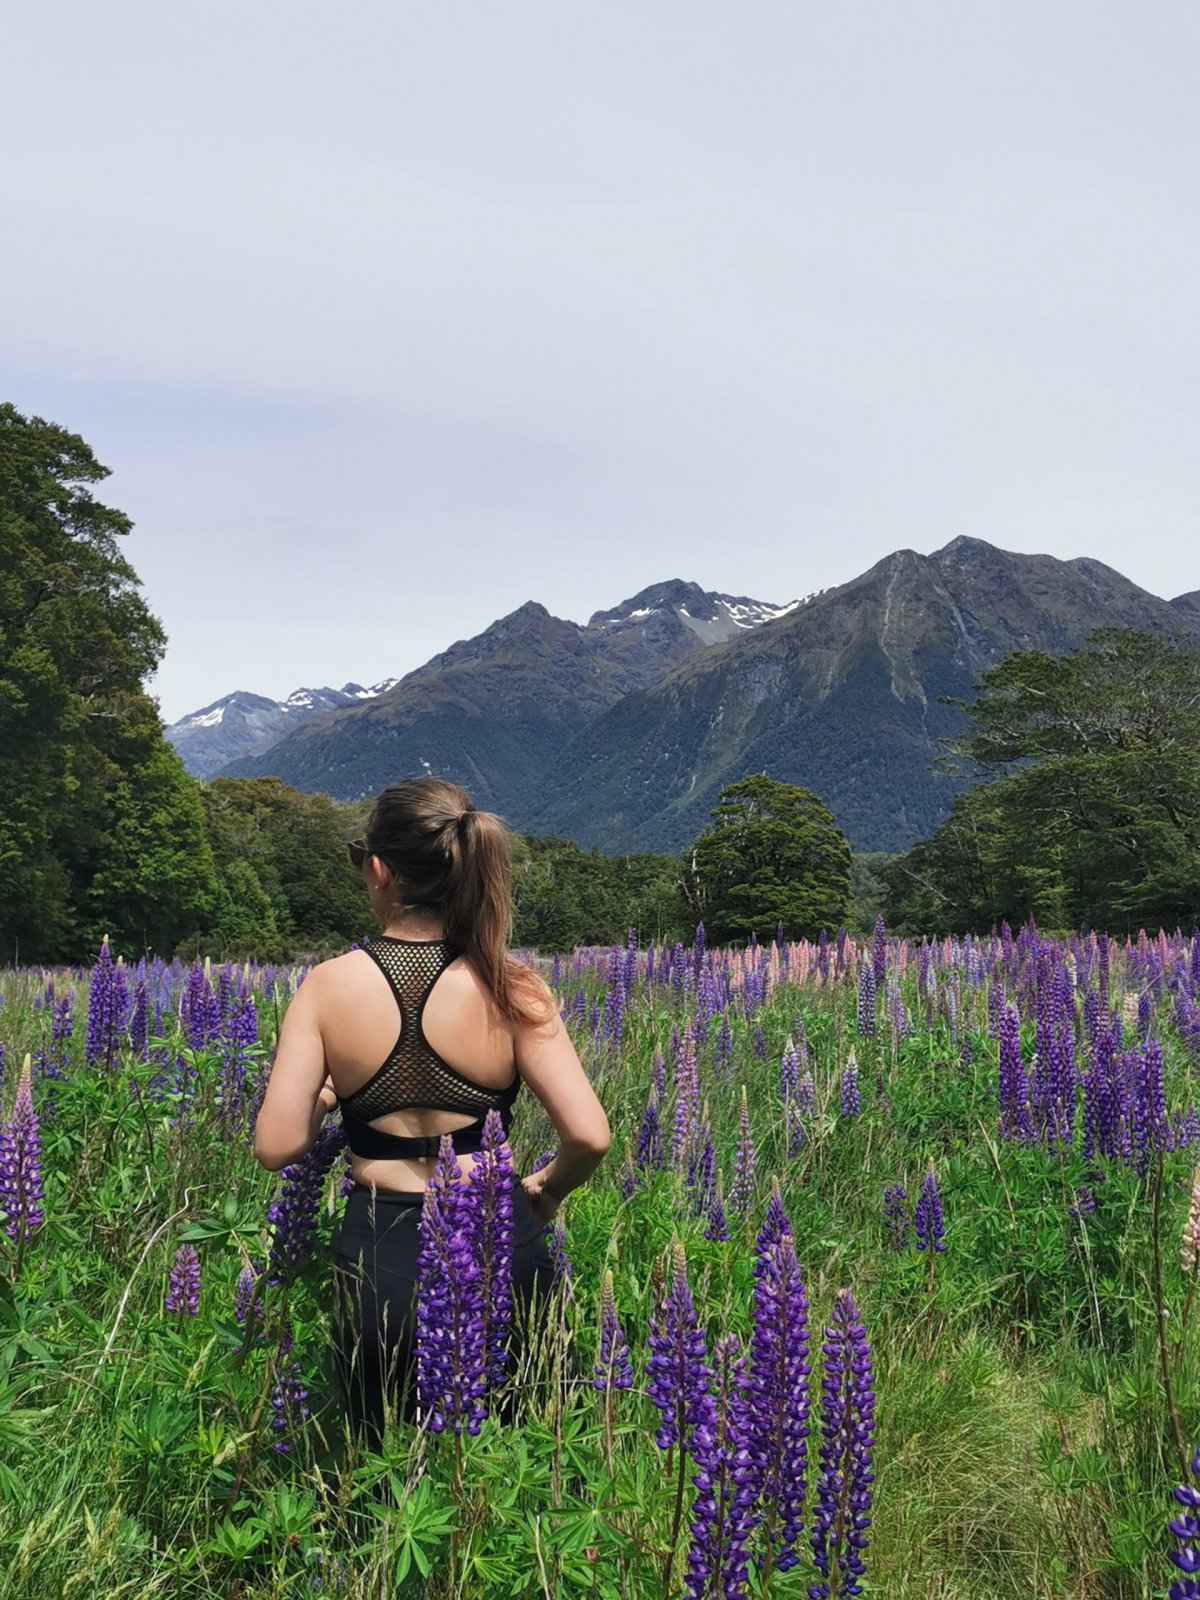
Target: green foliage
1093	812
98	822
565	896
286	884
773	856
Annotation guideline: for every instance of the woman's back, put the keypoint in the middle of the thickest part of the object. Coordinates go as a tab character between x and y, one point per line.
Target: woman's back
414	1045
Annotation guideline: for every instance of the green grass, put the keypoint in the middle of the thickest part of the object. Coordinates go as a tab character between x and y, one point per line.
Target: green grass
1022	1448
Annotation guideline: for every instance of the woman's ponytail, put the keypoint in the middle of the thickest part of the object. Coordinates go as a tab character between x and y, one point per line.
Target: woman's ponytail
445	855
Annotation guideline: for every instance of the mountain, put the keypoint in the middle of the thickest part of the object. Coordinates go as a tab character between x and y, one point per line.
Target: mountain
1189	605
493	711
240	723
841	694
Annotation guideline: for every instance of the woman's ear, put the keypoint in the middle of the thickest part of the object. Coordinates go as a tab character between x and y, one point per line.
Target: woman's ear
380	874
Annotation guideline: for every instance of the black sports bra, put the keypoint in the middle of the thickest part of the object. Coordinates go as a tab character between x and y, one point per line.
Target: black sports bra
414	1074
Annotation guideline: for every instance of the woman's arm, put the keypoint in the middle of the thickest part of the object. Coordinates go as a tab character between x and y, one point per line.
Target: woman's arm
299	1093
547	1061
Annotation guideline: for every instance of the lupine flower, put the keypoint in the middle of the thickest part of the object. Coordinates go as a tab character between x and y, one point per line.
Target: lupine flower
775	1224
777	1399
716	1229
630	1180
247	1295
183	1284
289	1398
650	1139
789	1072
101	1038
491	1189
1189	1253
895	1216
294	1209
1085	1204
851	1101
677	1371
612	1369
451	1357
866	1000
21	1198
720	1525
1186	1528
927	1216
741	1196
841	1516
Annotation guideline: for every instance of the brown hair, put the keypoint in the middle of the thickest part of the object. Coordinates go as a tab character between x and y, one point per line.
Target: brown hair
446	856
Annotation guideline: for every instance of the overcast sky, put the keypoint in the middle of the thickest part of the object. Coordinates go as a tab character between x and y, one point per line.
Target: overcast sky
390	317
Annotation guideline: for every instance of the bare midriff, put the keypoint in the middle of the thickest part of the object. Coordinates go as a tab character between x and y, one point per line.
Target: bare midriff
413	1173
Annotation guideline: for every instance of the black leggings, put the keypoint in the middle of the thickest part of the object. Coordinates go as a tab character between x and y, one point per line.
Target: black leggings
375	1279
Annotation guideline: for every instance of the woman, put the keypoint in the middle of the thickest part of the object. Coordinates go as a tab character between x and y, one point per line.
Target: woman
474	1024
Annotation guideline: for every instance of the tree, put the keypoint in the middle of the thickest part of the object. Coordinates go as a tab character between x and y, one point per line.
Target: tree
85	777
773	855
281	855
1092	811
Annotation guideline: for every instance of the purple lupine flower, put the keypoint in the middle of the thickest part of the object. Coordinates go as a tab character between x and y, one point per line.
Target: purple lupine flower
1016	1121
1085	1204
491	1188
612	1369
720	1525
21	1197
543	1159
789	1072
866	1000
841	1516
927	1215
183	1283
741	1196
289	1398
687	1095
760	1042
776	1223
1186	1529
451	1357
139	1023
293	1212
101	1039
851	1101
701	1177
677	1371
200	1013
716	1229
247	1294
895	1216
777	1399
650	1140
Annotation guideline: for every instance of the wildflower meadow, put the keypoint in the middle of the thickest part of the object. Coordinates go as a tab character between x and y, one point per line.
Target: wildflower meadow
886	1287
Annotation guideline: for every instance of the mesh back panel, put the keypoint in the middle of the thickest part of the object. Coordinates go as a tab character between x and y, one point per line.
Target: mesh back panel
414	1074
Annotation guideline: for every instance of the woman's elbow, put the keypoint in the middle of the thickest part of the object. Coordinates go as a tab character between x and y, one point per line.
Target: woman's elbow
598	1139
270	1153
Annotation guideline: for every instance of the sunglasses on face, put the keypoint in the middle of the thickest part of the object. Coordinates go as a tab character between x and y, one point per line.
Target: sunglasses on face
358	851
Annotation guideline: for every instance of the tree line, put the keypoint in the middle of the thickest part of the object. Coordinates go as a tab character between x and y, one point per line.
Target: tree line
104	832
1080	801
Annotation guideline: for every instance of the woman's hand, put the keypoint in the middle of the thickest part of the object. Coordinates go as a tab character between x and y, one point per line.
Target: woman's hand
543	1202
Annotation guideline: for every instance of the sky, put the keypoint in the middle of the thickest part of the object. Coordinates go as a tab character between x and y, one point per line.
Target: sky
390	318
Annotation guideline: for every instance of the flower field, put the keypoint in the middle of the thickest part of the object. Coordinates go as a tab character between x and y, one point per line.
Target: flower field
887	1286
